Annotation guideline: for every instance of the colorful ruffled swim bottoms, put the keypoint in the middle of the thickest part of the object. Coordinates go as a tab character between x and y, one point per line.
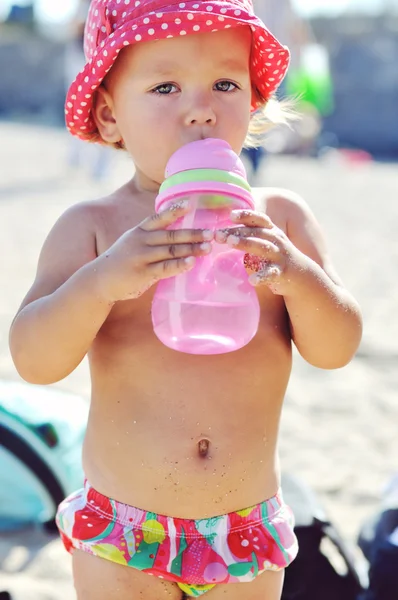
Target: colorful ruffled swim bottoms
195	554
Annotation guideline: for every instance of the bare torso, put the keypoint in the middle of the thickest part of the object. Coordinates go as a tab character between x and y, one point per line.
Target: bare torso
178	434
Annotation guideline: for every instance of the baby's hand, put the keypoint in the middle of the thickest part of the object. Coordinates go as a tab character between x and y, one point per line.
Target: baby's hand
270	256
149	252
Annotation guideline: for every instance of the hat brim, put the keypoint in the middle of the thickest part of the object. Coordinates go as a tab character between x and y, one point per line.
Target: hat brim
269	59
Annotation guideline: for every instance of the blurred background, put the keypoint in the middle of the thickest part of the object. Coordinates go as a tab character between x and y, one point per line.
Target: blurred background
339	429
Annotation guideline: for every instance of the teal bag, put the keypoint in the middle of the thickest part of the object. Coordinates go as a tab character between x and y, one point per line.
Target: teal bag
41	437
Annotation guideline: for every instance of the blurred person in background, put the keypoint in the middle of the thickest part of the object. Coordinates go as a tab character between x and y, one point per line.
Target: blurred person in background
93	157
283	22
307	82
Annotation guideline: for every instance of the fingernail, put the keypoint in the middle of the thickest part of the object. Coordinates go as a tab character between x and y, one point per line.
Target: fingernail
240	214
233	240
267	272
179	205
208	234
221	236
206	247
189	261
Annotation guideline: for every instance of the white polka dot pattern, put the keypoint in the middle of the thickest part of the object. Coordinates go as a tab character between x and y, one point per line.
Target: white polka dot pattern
114	24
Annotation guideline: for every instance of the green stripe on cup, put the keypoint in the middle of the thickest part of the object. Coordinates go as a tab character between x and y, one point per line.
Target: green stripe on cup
194	175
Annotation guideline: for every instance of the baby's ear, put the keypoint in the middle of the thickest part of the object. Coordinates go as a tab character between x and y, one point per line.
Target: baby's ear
103	115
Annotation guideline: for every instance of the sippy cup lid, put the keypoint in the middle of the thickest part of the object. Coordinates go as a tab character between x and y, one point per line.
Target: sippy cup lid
210	153
209	167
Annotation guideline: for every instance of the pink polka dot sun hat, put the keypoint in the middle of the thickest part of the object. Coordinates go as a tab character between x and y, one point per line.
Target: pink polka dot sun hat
113	24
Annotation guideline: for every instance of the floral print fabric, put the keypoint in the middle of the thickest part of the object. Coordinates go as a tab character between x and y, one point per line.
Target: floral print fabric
195	554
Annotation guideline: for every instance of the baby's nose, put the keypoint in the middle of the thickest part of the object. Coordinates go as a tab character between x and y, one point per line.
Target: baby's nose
200	114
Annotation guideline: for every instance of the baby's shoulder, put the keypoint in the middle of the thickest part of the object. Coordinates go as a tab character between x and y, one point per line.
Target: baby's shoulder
89	210
73	237
86	217
280	204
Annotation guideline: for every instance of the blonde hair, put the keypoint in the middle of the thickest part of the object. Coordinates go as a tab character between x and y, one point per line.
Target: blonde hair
269	114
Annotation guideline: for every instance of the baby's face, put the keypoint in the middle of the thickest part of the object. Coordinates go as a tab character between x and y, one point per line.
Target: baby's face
170	92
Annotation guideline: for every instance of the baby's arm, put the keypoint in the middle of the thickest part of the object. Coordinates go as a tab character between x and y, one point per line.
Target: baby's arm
74	290
288	251
65	308
325	319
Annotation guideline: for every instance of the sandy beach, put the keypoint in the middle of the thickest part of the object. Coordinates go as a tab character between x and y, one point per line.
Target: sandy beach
339	429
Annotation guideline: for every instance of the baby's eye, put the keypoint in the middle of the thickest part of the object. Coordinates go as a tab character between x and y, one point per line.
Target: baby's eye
225	86
164	89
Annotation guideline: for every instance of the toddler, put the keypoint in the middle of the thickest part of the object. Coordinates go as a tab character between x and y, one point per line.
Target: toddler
182	495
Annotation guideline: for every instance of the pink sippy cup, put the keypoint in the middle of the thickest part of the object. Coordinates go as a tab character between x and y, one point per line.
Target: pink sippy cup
211	309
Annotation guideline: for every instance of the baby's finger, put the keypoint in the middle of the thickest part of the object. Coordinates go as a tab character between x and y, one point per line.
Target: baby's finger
268	273
179	236
169	268
222	235
165	218
259	247
251	218
157	254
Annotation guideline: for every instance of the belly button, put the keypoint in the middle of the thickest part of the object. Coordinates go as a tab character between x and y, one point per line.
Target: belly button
203	447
